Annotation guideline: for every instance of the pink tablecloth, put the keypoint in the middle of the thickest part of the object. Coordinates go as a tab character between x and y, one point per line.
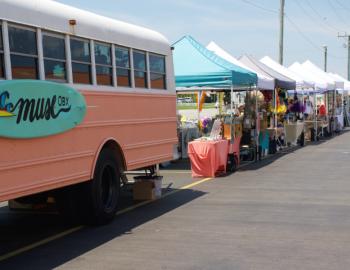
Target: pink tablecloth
208	157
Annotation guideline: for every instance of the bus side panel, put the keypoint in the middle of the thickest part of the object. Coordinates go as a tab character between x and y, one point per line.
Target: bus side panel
143	124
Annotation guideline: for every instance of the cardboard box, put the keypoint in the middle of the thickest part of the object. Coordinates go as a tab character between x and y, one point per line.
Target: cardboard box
144	190
147	188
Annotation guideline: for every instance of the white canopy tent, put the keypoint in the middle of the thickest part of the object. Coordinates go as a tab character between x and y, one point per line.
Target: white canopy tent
332	84
302	82
264	82
320	84
346	93
338	85
344	111
340	78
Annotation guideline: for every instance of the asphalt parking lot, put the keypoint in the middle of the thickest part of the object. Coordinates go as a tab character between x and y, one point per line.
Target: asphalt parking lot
291	211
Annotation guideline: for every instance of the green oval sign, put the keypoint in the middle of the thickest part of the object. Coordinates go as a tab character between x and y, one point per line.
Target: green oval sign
31	109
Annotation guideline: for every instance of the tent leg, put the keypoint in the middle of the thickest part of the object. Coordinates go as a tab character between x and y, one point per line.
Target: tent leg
198	105
275	107
315	115
231	101
334	112
257	125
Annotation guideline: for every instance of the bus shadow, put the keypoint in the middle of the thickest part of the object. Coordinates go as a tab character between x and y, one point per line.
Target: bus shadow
63	250
182	164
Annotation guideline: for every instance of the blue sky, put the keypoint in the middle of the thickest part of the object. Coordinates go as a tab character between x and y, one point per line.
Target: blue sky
243	26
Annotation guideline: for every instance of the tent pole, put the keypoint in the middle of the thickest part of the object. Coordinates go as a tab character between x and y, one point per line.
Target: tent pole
275	108
334	96
325	94
302	99
257	124
315	114
198	104
231	101
342	107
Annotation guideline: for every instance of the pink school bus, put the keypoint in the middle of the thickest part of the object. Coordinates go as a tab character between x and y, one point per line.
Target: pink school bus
83	98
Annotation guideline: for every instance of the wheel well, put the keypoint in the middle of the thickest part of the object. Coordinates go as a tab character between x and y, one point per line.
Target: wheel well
118	152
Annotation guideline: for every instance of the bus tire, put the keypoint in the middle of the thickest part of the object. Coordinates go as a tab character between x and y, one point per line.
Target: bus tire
104	189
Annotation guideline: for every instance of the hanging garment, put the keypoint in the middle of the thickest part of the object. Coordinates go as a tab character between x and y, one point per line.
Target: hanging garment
309	109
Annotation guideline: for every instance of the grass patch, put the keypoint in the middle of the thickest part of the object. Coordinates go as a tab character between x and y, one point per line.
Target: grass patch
193	106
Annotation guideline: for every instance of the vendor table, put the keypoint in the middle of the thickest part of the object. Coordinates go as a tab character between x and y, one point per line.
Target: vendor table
275	132
293	131
321	124
208	157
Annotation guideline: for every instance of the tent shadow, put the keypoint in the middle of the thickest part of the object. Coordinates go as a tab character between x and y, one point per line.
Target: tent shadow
272	158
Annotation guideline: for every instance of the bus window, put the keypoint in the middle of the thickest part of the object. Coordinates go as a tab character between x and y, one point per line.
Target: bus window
157	71
140	69
24	53
2	75
54	58
81	61
122	58
103	60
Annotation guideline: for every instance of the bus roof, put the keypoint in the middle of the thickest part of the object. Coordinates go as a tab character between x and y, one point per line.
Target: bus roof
54	16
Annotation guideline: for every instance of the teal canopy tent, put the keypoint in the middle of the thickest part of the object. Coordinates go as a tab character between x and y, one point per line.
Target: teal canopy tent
195	66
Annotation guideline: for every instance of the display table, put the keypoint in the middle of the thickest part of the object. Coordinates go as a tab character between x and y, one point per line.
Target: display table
275	132
208	157
293	131
321	124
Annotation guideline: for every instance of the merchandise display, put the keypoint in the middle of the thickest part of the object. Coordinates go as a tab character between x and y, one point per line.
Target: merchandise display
261	107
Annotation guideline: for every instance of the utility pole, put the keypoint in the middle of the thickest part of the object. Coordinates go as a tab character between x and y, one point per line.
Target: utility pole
325	57
281	32
348	57
348	46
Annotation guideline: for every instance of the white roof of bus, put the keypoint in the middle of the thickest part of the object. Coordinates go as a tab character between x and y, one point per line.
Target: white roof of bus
55	16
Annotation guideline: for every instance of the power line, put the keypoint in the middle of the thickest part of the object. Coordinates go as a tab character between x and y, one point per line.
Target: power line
296	27
260	7
308	14
323	19
307	39
339	16
342	5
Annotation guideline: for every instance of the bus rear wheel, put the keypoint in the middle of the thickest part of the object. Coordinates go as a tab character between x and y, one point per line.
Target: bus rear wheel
94	202
104	189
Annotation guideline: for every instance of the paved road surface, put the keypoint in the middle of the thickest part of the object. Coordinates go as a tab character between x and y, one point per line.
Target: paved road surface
290	212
